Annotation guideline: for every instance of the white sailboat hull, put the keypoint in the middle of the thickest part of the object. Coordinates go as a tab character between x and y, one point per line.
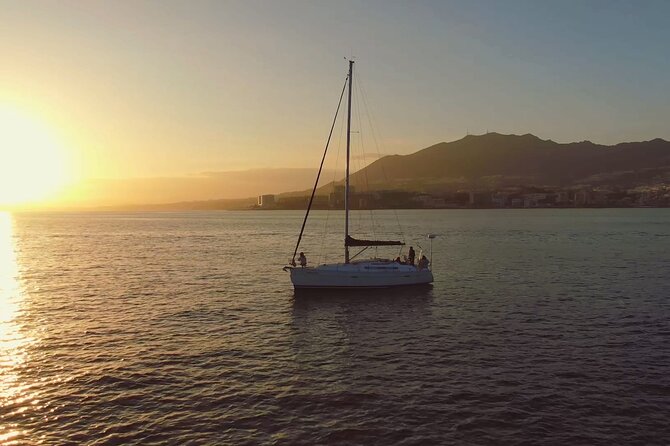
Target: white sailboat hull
364	274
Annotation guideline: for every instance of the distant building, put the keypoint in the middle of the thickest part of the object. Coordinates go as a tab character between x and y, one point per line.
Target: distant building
320	202
562	198
500	200
294	202
599	198
336	198
517	202
534	200
458	199
429	201
583	198
266	201
479	198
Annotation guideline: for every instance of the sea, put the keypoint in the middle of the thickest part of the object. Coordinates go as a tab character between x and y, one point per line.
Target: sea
543	327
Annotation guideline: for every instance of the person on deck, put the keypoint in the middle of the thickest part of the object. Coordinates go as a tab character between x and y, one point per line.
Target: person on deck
411	255
302	259
423	262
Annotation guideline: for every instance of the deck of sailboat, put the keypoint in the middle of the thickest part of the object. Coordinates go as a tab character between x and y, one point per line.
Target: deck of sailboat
368	265
360	274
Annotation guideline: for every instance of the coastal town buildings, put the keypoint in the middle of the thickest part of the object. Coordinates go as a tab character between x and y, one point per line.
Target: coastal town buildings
511	197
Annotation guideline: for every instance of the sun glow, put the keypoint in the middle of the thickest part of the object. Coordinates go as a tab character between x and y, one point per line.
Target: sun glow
13	391
32	161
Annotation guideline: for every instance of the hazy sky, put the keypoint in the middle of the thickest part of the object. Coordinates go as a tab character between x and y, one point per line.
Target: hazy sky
170	88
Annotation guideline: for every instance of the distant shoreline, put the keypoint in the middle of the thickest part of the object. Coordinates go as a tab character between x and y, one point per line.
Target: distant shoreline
121	210
459	208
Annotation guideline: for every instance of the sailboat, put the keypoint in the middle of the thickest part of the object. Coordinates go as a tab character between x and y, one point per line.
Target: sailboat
352	274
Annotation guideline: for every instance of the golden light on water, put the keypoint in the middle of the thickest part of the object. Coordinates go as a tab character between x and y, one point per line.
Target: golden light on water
12	341
32	161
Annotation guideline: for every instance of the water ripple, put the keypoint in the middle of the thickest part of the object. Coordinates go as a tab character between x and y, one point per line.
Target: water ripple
542	328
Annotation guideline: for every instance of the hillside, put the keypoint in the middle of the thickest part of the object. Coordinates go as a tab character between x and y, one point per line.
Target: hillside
489	161
495	160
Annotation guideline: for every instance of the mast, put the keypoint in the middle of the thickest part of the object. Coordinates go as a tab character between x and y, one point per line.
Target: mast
346	180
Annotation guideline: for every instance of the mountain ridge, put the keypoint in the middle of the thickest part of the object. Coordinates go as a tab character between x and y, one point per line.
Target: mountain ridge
492	161
497	160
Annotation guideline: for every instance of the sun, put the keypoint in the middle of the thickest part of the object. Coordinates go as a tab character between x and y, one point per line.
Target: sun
32	161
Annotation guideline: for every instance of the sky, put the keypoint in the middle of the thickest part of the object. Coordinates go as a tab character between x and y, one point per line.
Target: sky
180	89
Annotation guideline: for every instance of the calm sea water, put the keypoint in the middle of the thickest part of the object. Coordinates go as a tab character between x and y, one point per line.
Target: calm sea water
542	327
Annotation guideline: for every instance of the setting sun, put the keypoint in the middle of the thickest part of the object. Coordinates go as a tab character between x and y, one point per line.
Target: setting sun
32	161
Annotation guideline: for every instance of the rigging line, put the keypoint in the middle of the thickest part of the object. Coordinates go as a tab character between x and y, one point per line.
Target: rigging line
332	183
361	151
354	223
359	252
375	138
316	183
354	178
365	173
372	121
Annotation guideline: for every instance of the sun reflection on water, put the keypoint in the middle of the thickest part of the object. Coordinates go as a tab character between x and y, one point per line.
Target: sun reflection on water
12	341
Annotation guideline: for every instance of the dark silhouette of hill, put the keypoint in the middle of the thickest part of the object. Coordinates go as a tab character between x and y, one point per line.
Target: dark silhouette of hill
496	160
196	205
491	161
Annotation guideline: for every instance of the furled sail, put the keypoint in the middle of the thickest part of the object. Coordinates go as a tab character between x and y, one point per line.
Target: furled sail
350	241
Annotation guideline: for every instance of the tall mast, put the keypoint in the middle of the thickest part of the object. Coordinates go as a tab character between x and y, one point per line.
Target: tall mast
346	178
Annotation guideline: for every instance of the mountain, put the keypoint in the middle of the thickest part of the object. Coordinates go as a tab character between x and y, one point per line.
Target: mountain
495	160
487	161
